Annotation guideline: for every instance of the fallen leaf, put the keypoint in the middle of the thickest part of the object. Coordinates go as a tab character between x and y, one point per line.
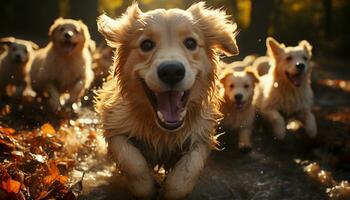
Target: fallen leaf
11	185
48	129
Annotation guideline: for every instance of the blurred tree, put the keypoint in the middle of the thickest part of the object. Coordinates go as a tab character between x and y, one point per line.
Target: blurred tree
328	17
86	11
253	38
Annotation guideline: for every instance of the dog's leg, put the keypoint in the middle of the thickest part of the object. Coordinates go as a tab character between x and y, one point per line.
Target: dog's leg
134	166
181	180
76	91
277	122
54	98
309	122
244	142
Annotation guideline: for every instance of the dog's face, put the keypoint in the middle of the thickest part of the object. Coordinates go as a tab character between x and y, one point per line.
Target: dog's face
239	86
69	36
18	50
292	63
168	55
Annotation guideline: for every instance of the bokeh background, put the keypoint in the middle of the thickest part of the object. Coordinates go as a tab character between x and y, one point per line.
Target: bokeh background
323	22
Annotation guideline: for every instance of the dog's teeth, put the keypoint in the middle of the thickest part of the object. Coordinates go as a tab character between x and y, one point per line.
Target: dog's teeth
182	115
160	116
182	93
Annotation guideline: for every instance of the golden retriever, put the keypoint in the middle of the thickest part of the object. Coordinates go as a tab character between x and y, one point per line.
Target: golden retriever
14	66
285	90
64	65
162	105
239	113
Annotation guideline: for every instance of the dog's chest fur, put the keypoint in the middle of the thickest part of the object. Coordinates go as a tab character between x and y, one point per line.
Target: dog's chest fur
285	98
237	119
68	70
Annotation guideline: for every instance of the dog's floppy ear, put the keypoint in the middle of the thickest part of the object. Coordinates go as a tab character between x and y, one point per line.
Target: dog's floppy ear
251	72
86	33
33	45
307	46
52	28
7	41
274	48
117	31
224	74
217	29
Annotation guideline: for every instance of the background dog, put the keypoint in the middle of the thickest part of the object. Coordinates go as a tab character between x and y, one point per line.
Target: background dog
285	90
14	66
64	65
239	113
162	107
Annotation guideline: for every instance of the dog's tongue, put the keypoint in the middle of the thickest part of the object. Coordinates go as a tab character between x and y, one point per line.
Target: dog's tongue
297	80
169	104
67	47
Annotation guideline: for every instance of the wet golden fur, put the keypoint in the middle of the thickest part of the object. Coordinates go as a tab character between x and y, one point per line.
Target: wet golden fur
56	70
277	97
126	112
238	119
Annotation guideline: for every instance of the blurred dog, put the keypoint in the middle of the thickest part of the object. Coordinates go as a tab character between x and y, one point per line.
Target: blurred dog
162	106
64	65
14	66
238	65
237	93
285	90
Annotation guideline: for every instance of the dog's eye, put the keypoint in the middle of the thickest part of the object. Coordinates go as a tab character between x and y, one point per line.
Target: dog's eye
147	45
76	30
190	43
232	86
289	58
305	58
61	29
246	86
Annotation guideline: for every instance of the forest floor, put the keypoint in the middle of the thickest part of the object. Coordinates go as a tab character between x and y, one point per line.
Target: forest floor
66	158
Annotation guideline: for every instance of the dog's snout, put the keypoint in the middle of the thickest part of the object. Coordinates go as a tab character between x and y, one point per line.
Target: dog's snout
300	66
18	58
68	34
238	97
171	72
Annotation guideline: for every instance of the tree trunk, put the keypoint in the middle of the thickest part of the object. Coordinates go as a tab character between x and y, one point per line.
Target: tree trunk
252	41
327	4
86	11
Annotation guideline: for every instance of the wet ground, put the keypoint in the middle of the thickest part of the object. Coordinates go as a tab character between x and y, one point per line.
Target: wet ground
272	170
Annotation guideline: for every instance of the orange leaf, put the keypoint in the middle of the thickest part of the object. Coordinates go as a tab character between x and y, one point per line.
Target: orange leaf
11	186
7	131
48	129
63	179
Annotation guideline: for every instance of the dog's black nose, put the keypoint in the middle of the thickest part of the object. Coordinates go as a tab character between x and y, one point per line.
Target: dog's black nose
68	35
300	66
18	58
238	97
171	72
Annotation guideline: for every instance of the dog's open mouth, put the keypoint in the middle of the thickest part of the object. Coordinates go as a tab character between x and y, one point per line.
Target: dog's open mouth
68	46
169	107
239	105
296	79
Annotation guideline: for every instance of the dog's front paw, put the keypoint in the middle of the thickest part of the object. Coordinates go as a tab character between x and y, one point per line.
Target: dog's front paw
55	104
279	131
311	130
244	144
